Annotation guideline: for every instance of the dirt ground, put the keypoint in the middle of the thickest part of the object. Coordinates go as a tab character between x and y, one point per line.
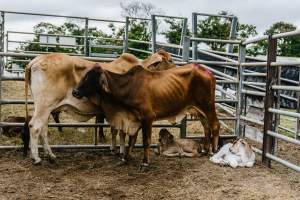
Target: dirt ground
98	175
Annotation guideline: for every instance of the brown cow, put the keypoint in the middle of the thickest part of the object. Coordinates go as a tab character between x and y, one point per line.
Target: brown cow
143	96
52	77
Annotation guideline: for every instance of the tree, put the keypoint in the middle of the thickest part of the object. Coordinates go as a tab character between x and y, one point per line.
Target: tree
286	46
218	28
139	9
96	37
139	29
173	35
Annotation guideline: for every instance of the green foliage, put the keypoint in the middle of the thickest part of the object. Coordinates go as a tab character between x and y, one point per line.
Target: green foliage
218	28
173	35
286	46
215	28
139	30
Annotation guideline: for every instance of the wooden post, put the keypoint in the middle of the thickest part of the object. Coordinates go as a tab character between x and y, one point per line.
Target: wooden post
269	119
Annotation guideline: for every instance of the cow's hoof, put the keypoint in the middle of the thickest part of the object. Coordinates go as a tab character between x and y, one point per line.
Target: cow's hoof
114	152
122	162
37	162
144	167
52	161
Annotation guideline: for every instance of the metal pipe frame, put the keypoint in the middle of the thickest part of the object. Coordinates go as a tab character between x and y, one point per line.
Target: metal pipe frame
186	49
216	40
283	137
286	87
240	96
61	16
232	34
214	15
283	112
78	124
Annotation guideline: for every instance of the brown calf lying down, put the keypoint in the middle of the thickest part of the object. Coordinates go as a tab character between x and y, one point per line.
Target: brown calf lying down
140	97
15	131
169	146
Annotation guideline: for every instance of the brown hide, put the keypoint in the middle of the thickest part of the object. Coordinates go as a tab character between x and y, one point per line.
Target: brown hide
151	96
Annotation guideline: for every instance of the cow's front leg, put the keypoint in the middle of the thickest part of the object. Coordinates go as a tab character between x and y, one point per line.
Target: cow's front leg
114	133
122	136
147	131
131	144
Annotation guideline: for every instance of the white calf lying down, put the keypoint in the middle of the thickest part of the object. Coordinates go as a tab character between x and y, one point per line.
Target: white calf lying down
238	153
169	146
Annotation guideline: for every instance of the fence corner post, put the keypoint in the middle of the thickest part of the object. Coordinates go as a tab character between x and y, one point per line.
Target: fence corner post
269	119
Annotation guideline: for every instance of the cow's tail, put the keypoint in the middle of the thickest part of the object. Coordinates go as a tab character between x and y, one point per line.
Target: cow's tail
25	132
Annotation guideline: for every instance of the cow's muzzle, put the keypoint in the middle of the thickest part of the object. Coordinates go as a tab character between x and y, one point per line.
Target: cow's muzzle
77	94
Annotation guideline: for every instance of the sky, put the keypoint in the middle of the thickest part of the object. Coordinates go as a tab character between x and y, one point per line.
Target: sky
257	12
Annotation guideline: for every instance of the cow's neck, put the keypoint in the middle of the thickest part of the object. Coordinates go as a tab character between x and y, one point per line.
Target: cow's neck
122	85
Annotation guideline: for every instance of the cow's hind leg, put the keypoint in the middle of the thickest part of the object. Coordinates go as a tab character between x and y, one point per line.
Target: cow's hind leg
37	126
147	132
47	148
213	123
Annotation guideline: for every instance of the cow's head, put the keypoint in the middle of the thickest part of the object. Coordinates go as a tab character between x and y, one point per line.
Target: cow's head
240	146
93	82
165	137
161	60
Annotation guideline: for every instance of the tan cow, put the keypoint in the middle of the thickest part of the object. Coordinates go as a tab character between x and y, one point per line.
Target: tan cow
52	77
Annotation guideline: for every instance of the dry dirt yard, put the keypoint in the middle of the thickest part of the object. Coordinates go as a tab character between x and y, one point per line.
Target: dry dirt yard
98	175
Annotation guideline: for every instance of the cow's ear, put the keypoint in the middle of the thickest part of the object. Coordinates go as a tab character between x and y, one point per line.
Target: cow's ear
103	82
171	137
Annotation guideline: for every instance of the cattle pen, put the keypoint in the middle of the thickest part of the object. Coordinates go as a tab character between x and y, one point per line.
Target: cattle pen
230	69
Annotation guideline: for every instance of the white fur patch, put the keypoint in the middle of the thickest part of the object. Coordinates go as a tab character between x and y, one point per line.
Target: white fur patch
241	158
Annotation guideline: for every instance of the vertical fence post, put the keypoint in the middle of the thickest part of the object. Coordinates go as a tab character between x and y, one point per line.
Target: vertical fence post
154	26
232	34
297	136
194	34
185	58
86	38
2	35
186	49
125	41
269	119
2	32
183	128
240	96
183	33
